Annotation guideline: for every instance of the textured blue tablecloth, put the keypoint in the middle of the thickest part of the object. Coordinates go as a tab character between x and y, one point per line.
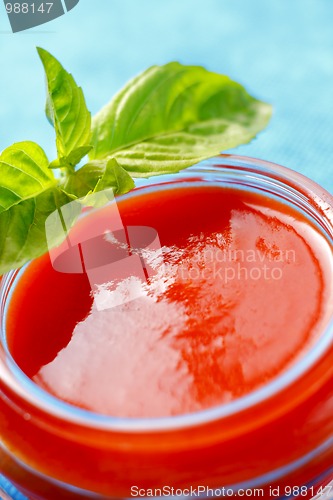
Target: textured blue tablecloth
9	489
281	50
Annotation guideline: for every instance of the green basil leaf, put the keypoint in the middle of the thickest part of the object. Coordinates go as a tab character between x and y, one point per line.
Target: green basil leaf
98	175
173	116
115	177
84	180
22	229
73	158
174	152
24	173
66	110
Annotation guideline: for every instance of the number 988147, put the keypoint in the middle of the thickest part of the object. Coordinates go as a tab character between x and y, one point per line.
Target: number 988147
29	8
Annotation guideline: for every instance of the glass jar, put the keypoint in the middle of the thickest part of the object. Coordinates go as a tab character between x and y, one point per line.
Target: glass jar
274	442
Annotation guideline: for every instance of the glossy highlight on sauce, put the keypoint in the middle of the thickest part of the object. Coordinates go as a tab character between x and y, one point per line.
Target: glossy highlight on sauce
238	299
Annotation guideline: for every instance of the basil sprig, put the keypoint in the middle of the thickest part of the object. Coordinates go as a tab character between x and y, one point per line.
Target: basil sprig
166	119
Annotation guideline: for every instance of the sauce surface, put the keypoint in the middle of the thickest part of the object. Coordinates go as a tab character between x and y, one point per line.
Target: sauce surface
235	298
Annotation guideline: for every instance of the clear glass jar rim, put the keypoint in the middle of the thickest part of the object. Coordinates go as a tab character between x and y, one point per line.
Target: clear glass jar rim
29	391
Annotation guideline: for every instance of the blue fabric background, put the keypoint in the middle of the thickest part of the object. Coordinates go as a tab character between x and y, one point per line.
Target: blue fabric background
281	50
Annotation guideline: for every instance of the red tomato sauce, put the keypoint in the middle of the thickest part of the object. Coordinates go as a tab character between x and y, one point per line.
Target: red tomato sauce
239	298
